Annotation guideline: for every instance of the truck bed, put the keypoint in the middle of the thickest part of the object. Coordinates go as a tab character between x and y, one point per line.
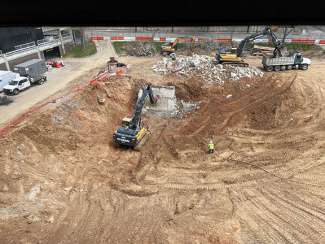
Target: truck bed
278	61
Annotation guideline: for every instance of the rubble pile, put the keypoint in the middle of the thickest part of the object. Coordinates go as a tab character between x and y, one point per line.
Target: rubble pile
140	49
203	66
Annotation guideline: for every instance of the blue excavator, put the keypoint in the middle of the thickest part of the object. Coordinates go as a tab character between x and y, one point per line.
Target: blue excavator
132	131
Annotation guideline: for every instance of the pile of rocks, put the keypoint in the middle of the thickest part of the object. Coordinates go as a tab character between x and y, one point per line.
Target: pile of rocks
140	49
203	66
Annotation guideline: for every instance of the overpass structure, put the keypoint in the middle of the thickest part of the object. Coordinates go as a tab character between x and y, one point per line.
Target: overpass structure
54	38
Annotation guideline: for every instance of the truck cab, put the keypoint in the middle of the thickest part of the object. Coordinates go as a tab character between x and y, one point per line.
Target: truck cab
17	85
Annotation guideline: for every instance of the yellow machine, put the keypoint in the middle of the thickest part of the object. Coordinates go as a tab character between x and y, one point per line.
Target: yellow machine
233	55
132	131
229	56
169	48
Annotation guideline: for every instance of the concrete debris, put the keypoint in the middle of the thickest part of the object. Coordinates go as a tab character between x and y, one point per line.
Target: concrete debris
308	118
50	219
101	100
140	49
33	192
202	66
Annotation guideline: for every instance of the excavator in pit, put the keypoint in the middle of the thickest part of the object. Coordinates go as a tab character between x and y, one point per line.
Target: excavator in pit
133	131
233	56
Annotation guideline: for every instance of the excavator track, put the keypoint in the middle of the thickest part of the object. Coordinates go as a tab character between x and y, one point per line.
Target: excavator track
142	141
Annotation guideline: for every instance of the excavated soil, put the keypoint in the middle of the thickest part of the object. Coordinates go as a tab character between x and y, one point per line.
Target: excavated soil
62	180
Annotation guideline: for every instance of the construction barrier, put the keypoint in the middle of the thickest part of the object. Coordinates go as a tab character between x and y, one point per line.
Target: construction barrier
303	41
143	38
97	38
117	38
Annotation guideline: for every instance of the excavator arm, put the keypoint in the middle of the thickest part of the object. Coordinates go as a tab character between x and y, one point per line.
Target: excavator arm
139	106
266	32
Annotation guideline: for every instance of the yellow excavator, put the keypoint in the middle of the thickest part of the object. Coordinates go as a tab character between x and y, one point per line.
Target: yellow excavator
169	47
233	56
132	131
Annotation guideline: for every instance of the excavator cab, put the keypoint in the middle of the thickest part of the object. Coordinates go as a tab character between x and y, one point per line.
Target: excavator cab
126	122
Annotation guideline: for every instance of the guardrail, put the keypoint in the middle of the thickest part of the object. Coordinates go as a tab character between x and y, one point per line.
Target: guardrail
26	45
20	50
32	45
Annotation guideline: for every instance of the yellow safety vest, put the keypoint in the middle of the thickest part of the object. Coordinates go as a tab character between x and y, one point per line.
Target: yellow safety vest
211	146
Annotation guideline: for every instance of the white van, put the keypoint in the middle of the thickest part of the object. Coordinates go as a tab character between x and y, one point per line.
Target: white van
6	77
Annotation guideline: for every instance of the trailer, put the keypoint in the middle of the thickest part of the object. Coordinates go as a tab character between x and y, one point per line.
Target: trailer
34	69
296	61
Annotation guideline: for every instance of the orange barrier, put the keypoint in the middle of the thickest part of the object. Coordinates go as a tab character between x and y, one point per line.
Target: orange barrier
97	38
117	38
303	40
143	38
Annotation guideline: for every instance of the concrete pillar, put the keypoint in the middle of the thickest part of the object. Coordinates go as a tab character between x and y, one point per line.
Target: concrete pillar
61	51
39	54
6	62
7	65
62	44
71	34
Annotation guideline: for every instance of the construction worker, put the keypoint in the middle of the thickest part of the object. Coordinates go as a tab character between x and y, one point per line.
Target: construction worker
210	147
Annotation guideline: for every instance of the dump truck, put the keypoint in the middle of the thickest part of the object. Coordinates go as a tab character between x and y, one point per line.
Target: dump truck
33	69
296	61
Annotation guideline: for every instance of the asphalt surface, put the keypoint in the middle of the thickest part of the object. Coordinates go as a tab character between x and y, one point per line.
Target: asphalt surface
57	79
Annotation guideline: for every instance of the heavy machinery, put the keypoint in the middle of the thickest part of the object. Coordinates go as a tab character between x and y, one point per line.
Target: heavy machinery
234	56
132	131
169	48
296	61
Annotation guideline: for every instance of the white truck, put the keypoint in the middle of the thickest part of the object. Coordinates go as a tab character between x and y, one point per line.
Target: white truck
16	85
6	77
296	61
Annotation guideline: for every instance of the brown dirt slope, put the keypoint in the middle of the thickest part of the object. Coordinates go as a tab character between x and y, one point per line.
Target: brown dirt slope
63	181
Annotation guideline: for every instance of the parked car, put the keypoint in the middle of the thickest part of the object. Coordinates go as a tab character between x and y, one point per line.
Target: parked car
6	77
17	85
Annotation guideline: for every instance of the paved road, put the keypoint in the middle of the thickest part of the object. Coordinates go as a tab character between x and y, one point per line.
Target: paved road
57	80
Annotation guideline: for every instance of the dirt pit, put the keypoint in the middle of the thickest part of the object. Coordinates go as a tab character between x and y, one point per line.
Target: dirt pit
62	180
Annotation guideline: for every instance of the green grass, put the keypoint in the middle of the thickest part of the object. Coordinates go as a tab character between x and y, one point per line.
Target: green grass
80	52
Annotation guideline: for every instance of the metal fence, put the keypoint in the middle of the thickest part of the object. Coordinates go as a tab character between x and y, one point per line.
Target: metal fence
25	45
39	43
